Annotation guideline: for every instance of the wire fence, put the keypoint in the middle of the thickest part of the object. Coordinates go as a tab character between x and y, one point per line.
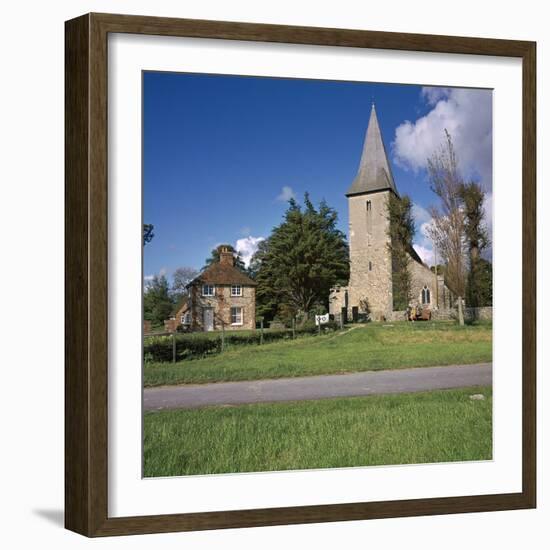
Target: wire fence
164	346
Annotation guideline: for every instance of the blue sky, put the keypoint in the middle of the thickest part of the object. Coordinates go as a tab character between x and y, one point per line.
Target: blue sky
222	153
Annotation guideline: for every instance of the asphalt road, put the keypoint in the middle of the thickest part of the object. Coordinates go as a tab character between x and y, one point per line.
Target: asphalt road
317	387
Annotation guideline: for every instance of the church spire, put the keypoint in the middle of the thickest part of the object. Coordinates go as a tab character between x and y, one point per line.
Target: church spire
374	172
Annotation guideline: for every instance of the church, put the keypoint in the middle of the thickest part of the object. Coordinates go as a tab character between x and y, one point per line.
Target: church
370	280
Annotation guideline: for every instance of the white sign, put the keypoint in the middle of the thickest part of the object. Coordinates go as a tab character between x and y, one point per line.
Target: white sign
321	319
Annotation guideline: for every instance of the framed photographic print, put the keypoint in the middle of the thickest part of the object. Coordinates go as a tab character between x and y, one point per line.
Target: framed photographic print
299	275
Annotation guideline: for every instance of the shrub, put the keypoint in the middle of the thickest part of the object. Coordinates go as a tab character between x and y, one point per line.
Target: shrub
197	345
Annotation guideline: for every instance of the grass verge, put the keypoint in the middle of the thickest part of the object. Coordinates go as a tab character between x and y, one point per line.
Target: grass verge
437	426
364	347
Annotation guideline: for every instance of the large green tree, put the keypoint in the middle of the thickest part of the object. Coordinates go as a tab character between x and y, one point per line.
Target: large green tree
477	240
157	302
304	257
401	232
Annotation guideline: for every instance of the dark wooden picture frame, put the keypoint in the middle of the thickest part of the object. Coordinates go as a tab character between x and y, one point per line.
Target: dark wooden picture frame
86	282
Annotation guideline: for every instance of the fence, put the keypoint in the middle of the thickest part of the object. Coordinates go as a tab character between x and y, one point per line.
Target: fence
175	346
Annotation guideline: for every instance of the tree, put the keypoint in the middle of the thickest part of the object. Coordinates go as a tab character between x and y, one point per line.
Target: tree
401	232
266	300
257	258
181	278
477	240
448	228
157	303
305	256
485	282
215	257
147	233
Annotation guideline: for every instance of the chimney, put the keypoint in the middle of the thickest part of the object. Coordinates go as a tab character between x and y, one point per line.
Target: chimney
226	256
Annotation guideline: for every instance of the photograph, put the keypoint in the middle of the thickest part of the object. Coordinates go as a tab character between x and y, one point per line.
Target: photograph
317	274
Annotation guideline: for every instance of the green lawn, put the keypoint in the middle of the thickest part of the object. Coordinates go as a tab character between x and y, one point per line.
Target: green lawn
438	426
365	347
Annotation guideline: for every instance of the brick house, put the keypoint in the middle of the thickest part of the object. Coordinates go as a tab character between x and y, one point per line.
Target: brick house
181	316
220	296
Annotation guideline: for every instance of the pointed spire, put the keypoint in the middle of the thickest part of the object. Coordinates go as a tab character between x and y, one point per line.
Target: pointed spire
374	172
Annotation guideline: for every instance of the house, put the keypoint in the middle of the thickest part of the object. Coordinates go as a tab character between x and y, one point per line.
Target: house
222	296
369	242
181	316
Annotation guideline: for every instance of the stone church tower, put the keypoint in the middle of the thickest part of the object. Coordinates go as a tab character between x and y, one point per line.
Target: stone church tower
370	255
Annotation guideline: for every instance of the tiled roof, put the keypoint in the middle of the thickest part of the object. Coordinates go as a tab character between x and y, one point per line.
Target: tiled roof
180	307
222	274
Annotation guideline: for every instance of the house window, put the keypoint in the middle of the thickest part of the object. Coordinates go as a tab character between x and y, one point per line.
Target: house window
186	319
425	295
236	315
236	290
208	290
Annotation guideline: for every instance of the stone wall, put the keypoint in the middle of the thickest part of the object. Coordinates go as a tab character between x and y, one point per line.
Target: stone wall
370	258
422	276
447	314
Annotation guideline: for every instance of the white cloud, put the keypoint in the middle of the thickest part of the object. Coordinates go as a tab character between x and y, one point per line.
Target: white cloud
420	214
426	254
148	277
467	115
247	247
286	194
433	94
422	242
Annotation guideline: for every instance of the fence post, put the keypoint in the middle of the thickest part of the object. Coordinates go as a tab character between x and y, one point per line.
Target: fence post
293	328
173	347
261	331
223	335
341	322
319	327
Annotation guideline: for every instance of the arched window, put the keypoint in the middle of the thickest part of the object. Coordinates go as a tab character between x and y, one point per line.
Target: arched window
425	295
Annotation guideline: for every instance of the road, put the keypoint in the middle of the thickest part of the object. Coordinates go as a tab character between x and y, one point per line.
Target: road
317	387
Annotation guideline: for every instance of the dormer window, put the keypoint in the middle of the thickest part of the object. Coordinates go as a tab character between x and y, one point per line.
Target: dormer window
236	290
208	290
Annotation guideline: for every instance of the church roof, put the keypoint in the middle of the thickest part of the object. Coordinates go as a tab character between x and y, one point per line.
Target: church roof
374	172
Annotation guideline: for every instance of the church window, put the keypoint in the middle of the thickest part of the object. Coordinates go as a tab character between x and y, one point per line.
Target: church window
370	266
425	295
369	218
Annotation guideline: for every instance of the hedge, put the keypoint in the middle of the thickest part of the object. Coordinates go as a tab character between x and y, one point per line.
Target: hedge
197	345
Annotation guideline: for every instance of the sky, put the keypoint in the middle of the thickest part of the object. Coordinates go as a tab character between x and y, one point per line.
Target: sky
222	155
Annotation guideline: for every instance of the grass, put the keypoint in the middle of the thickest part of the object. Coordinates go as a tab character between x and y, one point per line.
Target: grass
437	426
364	347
